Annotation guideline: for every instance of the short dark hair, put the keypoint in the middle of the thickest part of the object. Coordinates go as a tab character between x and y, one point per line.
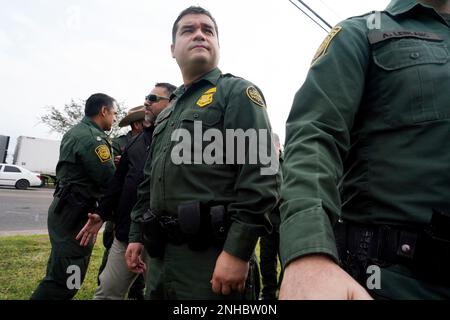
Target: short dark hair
170	88
95	103
192	10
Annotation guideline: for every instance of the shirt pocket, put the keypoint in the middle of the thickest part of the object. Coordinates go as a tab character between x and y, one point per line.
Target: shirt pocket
203	128
412	78
161	122
209	118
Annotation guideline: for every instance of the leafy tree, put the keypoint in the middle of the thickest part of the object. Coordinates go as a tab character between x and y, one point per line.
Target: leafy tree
60	121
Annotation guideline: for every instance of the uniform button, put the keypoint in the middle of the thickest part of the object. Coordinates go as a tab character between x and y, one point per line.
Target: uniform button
415	55
195	115
172	124
406	248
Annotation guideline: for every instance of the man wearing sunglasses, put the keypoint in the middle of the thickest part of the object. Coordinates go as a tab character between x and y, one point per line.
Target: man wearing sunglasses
118	201
154	103
209	217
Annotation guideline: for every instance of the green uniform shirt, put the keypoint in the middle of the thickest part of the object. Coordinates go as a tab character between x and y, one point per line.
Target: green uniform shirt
368	136
220	102
85	162
118	144
85	159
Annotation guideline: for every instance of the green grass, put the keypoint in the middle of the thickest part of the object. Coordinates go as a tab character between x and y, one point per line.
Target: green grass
23	263
24	260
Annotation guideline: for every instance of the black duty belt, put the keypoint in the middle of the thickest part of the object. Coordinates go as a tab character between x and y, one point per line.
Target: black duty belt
195	224
425	251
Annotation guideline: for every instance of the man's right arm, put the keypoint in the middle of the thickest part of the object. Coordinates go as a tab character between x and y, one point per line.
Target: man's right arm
317	141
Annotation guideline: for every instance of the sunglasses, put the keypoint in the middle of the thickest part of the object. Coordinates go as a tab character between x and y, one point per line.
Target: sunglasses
155	98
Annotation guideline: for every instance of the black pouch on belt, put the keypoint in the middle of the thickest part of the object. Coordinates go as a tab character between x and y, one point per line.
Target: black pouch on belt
194	225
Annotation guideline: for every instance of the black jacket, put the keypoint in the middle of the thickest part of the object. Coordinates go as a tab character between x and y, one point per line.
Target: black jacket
121	195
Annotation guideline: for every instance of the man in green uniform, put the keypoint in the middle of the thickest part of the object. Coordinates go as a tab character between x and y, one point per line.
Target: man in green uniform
205	217
367	161
84	168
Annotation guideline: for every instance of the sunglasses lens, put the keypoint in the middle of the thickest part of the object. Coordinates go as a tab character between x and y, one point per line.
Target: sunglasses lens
153	98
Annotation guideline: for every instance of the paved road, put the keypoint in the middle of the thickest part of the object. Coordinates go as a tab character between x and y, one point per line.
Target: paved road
24	211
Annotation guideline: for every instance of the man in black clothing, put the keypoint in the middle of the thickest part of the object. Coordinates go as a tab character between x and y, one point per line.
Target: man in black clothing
135	118
120	198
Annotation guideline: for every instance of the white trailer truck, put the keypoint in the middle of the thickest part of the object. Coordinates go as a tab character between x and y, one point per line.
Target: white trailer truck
37	155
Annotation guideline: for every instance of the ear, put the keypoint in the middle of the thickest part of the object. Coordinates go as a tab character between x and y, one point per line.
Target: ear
104	111
172	48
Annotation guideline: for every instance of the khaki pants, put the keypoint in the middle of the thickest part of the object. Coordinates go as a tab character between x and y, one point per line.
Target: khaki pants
116	279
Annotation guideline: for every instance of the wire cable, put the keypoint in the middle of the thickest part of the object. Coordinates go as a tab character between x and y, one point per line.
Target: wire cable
316	14
338	16
306	14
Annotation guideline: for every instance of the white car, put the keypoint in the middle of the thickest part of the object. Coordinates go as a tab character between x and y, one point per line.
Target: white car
21	178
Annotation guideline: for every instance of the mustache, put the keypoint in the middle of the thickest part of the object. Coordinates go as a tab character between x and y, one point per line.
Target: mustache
203	45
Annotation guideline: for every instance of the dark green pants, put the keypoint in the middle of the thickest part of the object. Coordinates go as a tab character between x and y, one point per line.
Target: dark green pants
399	283
68	261
184	274
55	285
396	282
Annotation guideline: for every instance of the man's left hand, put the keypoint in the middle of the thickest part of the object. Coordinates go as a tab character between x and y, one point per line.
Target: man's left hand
229	274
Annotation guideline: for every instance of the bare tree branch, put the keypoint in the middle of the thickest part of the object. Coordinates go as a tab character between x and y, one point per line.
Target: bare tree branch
60	121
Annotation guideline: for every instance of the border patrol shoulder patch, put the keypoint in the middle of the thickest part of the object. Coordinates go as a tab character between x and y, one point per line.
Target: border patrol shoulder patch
325	44
255	96
103	153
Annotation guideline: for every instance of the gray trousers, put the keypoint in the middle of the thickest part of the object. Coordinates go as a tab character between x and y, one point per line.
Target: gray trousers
116	279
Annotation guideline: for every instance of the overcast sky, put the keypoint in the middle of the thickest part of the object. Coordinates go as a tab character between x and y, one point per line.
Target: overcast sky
54	51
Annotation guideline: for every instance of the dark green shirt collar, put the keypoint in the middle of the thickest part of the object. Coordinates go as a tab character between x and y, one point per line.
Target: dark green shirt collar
397	7
91	123
213	77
